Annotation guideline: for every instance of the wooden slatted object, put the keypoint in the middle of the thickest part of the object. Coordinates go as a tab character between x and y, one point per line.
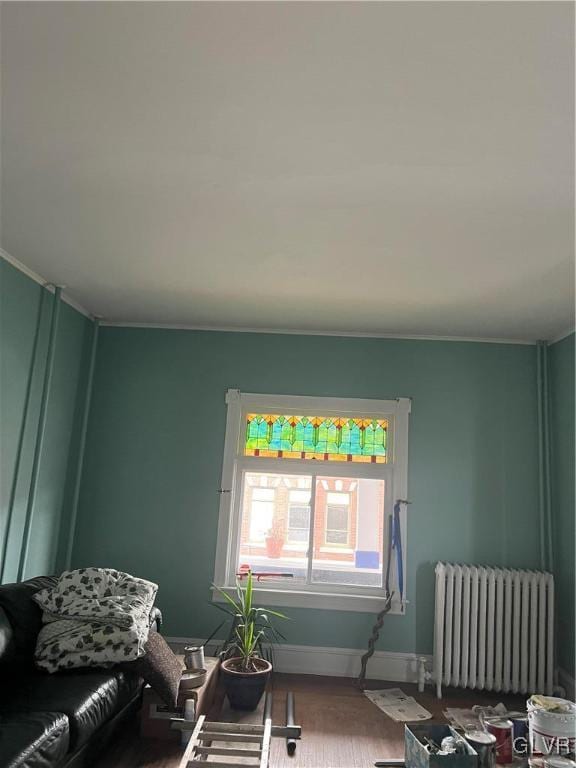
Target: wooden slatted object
237	744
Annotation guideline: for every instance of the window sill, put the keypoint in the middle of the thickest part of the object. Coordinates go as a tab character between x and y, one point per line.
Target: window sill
337	550
330	601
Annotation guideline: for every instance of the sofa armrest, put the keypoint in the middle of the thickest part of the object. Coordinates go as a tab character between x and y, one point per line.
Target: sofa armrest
156	619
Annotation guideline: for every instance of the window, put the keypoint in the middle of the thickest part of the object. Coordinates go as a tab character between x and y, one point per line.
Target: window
308	491
261	512
337	518
298	517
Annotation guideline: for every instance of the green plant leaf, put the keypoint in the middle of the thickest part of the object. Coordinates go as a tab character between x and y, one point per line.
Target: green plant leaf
278	614
248	592
252	632
238	607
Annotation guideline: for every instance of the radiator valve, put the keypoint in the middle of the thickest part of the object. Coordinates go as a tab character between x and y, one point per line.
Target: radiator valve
423	675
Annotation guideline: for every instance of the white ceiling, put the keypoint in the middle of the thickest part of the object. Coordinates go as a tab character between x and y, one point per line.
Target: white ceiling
393	168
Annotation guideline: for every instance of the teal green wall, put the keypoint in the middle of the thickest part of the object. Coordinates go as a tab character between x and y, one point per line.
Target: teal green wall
149	501
19	304
562	393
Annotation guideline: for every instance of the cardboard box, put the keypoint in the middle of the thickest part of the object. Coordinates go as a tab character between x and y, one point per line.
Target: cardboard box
417	756
156	715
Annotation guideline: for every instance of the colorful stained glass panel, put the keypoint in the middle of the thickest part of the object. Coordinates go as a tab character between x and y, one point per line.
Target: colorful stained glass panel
325	438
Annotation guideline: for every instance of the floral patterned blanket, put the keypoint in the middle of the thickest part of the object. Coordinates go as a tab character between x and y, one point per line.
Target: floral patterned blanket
93	617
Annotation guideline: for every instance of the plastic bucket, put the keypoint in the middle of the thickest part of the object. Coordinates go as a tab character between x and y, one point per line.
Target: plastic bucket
552	733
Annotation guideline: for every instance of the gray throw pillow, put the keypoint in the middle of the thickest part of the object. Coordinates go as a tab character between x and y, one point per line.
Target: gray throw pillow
160	668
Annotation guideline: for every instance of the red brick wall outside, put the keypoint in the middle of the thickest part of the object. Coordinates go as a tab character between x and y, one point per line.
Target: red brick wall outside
280	521
322	492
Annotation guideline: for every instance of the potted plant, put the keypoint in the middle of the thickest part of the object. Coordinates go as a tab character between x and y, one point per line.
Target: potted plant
245	670
274	539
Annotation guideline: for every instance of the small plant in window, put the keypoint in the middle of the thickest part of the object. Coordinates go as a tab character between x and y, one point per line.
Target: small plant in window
275	538
245	668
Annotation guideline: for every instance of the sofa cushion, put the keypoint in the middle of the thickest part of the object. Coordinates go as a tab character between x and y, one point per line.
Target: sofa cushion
160	668
24	615
88	699
33	739
7	646
129	685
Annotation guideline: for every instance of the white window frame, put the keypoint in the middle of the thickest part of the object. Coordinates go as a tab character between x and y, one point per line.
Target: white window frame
394	472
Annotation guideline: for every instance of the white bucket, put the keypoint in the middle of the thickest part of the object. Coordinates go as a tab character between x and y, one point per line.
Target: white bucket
552	733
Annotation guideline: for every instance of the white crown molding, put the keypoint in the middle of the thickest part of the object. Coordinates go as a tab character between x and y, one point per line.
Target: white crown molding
334	662
561	336
43	282
284	331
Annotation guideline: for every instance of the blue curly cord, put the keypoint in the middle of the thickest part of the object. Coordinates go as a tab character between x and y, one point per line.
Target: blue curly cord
397	546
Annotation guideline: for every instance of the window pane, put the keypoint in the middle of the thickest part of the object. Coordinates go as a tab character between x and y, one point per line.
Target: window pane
297	536
337	518
261	514
298	521
338	498
348	531
275	523
299	497
336	537
298	517
324	438
263	494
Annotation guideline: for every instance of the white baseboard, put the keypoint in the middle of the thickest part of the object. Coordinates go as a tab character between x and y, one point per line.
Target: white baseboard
567	682
336	662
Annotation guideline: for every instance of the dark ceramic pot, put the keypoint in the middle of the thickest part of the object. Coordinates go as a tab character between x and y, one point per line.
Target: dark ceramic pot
245	689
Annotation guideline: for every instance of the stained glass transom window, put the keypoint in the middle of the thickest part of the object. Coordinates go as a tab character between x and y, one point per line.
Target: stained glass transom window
326	438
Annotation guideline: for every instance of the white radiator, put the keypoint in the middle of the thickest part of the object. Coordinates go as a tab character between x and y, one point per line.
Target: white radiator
494	629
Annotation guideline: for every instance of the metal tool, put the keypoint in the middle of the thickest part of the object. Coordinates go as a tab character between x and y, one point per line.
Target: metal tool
259	575
290	743
373	638
268	703
397	546
244	570
394	544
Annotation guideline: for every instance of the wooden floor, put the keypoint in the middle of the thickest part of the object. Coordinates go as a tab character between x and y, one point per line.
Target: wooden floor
340	727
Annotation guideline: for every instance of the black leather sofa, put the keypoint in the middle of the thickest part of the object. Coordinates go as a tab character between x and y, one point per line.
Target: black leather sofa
60	720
